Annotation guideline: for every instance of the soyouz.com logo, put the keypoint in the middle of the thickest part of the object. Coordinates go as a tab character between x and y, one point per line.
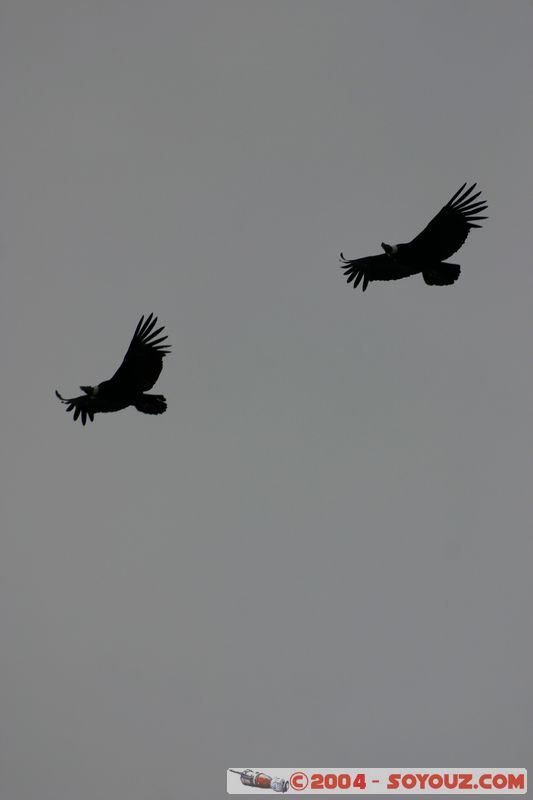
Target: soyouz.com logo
353	781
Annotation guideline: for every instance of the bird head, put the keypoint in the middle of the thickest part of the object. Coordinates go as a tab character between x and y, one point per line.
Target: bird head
92	391
390	249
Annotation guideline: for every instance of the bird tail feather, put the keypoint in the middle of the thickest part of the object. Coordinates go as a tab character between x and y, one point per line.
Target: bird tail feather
441	274
151	404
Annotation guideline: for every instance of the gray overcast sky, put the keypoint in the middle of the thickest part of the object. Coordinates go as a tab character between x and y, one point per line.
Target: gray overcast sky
321	554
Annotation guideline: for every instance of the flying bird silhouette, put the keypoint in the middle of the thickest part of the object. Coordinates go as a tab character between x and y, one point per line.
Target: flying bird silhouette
137	374
427	252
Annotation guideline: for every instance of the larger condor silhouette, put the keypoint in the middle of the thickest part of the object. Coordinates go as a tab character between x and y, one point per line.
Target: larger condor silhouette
426	253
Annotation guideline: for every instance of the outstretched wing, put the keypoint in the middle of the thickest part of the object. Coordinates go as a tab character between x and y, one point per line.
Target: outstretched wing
448	230
83	405
375	268
143	362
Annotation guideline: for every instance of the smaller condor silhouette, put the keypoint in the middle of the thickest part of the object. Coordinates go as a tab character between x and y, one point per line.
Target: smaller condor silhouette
138	372
439	240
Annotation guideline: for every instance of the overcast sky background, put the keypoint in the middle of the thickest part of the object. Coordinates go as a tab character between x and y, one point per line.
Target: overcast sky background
321	554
